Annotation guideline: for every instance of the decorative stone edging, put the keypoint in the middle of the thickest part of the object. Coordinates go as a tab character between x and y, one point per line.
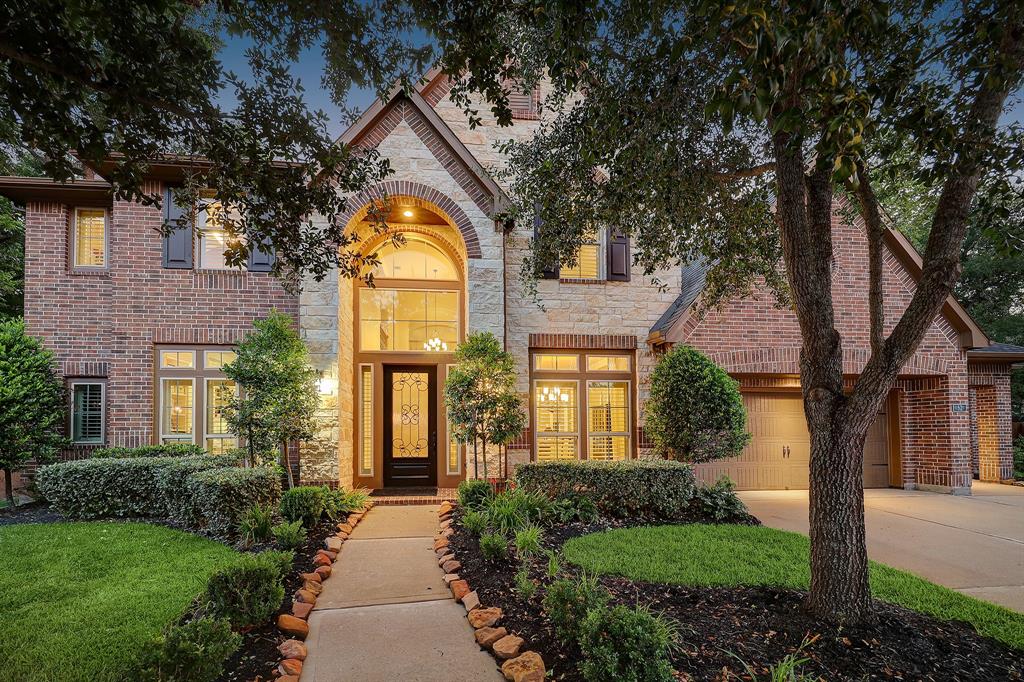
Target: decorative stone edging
517	664
293	651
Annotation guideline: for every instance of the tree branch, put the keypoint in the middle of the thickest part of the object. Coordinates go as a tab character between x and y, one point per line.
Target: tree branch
751	172
875	229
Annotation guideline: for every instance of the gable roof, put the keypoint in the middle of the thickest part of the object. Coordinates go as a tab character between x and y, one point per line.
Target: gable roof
668	328
361	133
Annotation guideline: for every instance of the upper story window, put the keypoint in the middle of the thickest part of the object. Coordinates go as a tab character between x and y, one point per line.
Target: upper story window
415	259
214	237
588	260
602	256
89	238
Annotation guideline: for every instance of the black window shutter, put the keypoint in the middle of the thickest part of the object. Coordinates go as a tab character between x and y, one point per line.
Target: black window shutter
618	256
261	258
545	273
178	241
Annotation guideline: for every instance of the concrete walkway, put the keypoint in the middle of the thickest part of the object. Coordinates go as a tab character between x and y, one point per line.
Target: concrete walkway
385	614
973	544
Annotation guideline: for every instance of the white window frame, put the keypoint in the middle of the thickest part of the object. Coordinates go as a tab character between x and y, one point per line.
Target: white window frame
363	443
106	240
206	365
206	411
629	417
103	411
200	232
459	447
602	260
537	434
191	351
173	437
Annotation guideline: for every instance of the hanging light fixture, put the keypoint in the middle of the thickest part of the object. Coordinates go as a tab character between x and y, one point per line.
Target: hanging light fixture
436	345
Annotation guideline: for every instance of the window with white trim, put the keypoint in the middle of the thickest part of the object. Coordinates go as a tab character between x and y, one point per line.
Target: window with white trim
87	413
219	393
608	420
557	420
588	261
191	396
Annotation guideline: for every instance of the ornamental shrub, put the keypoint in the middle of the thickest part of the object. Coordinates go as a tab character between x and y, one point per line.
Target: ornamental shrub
623	644
720	503
338	503
567	603
493	546
656	490
248	591
115	488
305	503
512	510
694	412
289	535
161	450
221	496
474	493
171	477
191	652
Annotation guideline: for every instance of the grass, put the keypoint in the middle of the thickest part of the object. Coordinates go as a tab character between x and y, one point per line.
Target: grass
727	556
82	601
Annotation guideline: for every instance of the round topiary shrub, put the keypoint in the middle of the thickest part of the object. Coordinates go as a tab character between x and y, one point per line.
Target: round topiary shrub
695	412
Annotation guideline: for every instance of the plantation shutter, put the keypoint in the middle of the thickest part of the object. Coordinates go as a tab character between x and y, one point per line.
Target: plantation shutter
177	246
546	273
87	421
261	258
618	256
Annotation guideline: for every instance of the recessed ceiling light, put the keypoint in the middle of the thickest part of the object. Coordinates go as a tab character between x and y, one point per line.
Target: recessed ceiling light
407	214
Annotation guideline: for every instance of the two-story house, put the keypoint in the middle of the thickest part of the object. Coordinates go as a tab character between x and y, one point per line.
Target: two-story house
142	323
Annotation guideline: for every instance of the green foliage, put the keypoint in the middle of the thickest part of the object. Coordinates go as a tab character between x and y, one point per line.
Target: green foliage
719	502
221	496
625	644
32	402
289	535
656	490
278	397
12	237
525	587
281	559
512	510
304	503
527	541
119	488
257	524
788	669
338	503
474	493
1018	458
493	546
694	412
480	395
567	603
553	564
572	507
192	652
172	474
247	592
161	450
474	521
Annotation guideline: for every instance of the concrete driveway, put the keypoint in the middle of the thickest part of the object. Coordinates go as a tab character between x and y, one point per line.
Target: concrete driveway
973	544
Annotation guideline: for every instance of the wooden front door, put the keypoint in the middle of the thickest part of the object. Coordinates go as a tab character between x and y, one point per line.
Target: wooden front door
410	425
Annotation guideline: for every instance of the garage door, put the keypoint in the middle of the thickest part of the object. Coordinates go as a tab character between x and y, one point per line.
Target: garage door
779	452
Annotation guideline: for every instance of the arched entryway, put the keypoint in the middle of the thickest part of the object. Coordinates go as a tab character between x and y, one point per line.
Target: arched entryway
406	324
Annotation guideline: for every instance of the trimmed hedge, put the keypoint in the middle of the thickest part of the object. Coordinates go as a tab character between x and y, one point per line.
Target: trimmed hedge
650	489
110	488
221	496
173	478
162	450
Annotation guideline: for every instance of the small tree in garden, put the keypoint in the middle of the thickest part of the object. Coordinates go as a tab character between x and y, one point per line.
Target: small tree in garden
278	395
695	413
480	396
32	403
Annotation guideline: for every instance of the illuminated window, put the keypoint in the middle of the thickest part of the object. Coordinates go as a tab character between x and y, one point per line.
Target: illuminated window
90	238
415	259
176	409
608	363
215	236
219	438
177	359
87	413
216	359
408	320
558	363
454	447
608	420
588	261
366	420
556	419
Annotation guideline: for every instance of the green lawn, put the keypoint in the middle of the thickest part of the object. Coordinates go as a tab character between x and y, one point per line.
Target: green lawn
748	555
81	601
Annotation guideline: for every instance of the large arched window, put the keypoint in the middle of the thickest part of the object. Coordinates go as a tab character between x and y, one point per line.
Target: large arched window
415	303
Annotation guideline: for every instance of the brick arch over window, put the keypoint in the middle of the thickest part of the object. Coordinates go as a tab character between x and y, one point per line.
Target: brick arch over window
423	196
787	361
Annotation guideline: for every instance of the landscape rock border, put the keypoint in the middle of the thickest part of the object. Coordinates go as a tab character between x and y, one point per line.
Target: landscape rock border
518	664
293	651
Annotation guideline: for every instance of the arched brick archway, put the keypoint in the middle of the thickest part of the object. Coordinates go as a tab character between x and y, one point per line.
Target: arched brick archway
425	196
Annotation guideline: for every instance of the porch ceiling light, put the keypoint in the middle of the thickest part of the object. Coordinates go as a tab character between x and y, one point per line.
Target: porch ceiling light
407	213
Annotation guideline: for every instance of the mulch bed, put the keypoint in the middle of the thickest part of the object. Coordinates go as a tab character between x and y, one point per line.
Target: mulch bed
721	629
30	512
258	656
